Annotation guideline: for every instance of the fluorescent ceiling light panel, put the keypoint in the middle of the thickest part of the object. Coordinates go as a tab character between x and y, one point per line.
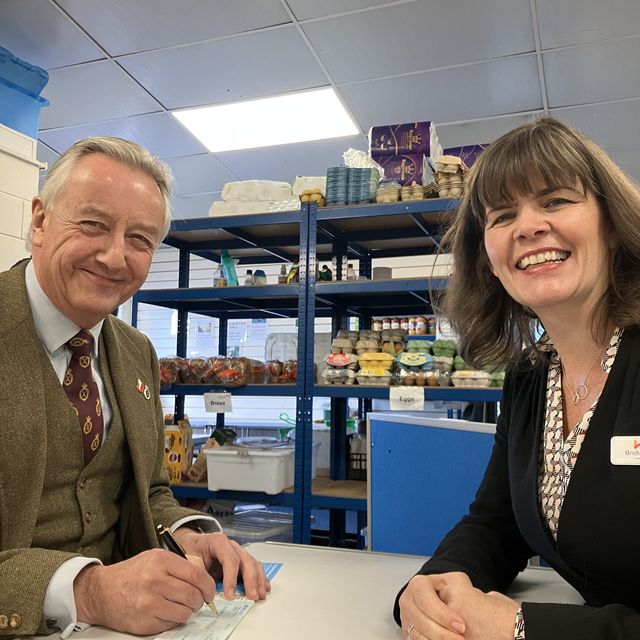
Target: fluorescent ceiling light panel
295	117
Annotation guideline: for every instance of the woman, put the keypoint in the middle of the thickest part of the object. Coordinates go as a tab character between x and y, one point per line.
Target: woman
547	241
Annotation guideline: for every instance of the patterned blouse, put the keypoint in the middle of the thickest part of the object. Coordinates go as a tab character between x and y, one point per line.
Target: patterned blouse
557	454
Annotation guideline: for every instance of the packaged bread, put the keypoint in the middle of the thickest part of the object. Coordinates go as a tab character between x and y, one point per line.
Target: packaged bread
168	371
191	370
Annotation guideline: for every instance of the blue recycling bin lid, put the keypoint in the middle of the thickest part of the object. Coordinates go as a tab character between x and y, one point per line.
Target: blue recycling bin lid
21	75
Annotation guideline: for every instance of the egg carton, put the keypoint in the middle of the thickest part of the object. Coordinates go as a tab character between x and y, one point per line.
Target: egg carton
369	334
412	192
374	381
367	345
470	379
343	345
387	194
342	360
338	376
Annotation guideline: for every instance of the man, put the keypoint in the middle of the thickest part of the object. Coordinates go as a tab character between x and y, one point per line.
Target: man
82	486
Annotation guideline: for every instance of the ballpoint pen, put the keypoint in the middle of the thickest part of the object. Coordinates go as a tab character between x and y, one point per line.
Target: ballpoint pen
175	547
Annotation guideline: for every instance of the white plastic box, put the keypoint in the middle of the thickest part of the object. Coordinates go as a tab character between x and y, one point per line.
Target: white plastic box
246	469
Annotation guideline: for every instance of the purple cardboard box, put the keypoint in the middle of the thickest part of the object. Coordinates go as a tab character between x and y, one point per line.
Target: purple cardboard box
401	139
468	154
405	169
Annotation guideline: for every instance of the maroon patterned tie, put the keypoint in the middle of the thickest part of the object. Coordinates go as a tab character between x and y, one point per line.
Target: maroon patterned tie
82	391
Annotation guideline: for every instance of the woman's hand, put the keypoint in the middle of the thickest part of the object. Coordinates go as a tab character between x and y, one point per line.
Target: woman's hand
424	614
488	616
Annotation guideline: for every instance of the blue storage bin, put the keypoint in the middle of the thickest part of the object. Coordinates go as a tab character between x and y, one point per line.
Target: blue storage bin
20	86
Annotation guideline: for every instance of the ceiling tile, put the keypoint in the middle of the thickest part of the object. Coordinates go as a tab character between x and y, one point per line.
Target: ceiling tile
91	92
419	36
628	160
158	132
458	134
567	22
290	160
198	174
39	34
305	9
246	66
611	125
593	73
461	93
197	206
122	26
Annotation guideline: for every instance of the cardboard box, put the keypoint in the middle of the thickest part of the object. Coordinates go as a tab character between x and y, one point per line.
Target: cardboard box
405	169
178	450
411	138
468	154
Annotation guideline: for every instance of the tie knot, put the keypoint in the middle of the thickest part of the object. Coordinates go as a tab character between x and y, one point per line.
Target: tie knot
81	344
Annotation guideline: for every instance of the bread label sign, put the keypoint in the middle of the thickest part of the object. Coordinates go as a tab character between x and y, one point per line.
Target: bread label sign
217	402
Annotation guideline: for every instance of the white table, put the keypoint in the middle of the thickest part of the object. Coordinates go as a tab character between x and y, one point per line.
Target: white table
333	594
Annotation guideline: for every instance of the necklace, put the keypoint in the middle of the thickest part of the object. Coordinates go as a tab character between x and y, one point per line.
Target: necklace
580	390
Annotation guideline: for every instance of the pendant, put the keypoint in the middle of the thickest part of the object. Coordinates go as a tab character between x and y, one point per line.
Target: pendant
580	393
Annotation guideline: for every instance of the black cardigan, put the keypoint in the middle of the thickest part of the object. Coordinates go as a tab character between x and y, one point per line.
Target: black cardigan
598	542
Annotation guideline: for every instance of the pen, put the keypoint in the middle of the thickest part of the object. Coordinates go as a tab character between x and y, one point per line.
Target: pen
174	546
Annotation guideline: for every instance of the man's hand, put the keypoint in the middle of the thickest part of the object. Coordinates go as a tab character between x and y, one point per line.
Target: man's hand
425	615
147	594
225	559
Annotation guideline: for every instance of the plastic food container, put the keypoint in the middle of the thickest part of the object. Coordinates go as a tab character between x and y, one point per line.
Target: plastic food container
248	469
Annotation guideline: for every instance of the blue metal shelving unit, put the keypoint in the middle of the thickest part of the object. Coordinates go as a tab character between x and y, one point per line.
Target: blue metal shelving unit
361	232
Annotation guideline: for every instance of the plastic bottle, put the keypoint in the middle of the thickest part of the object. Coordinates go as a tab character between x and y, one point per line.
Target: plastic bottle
293	275
248	279
229	269
218	277
282	277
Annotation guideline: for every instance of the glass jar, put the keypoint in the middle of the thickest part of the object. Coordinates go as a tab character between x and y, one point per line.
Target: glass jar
412	326
376	324
386	324
404	324
421	326
395	323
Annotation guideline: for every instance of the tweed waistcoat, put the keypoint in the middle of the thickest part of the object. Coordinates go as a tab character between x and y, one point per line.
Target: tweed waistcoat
80	505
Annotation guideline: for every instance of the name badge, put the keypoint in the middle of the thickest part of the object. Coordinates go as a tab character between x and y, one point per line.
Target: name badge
625	450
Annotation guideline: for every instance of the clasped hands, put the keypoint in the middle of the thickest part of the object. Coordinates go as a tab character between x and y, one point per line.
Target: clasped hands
447	606
157	590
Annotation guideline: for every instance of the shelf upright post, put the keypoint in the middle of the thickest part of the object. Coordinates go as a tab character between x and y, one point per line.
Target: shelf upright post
339	407
184	257
366	271
223	324
304	377
365	266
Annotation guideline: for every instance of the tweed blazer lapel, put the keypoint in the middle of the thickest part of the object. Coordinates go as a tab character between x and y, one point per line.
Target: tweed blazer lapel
130	370
23	426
